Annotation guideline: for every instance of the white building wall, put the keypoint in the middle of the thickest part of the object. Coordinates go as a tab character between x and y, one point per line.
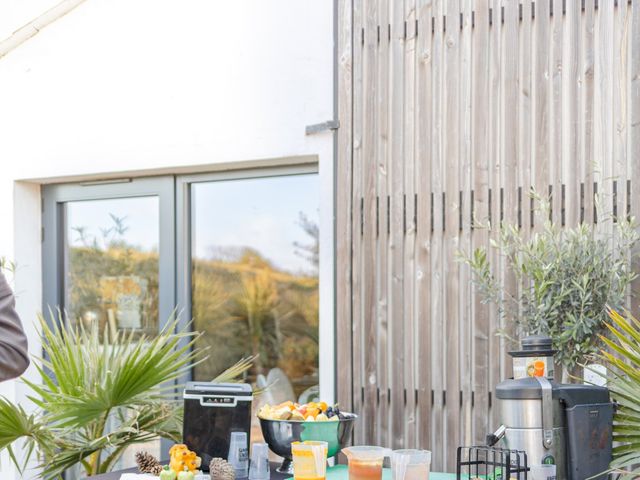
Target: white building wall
156	86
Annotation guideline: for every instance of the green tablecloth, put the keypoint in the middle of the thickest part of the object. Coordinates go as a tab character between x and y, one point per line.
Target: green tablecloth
339	472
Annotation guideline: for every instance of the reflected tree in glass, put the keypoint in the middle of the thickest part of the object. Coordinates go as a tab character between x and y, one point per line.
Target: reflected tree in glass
255	275
112	268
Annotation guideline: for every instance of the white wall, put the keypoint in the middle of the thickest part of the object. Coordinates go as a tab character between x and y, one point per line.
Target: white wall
159	85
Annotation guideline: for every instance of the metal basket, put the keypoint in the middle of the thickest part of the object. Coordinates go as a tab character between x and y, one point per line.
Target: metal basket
491	463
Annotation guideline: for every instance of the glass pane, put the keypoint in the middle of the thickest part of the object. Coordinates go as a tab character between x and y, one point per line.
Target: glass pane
112	263
112	275
255	278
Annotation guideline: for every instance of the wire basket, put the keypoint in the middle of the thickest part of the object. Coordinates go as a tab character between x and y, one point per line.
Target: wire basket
491	463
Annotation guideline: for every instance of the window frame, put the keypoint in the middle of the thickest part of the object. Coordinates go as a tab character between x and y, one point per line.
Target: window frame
175	243
54	253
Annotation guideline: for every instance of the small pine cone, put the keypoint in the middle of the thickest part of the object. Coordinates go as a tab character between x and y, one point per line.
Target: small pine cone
147	463
220	469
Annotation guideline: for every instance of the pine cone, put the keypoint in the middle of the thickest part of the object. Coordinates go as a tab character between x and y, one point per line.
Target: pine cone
147	463
220	469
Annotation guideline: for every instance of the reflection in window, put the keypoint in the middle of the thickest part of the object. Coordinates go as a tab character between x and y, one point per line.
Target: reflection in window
112	264
255	277
112	276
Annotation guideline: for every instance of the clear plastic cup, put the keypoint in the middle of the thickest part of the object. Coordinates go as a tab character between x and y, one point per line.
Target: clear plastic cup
365	462
239	454
543	472
309	460
259	467
410	464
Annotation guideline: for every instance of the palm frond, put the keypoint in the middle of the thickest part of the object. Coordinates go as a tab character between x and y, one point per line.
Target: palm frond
234	373
624	384
98	395
16	424
92	377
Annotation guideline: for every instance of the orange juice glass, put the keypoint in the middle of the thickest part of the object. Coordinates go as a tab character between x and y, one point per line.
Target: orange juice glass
365	463
538	366
309	460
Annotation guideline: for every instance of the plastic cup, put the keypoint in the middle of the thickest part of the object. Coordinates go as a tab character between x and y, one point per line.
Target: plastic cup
543	472
309	460
365	462
239	454
538	368
410	464
259	468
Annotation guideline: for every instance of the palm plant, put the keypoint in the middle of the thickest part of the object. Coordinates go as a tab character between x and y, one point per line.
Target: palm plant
255	307
87	383
623	359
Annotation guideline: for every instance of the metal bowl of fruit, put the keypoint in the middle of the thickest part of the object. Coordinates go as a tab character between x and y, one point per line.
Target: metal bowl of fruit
290	422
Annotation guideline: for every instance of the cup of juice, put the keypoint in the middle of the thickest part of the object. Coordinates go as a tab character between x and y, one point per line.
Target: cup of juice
539	368
365	462
309	460
410	464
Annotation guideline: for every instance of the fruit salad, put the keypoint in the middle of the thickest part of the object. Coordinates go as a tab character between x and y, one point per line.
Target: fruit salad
309	412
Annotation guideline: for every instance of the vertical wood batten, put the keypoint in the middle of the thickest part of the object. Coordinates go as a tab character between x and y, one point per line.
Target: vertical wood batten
451	115
509	154
495	109
571	125
383	234
480	165
424	94
620	94
556	139
465	347
541	94
369	279
587	110
437	357
525	124
409	34
396	240
604	130
357	300
344	188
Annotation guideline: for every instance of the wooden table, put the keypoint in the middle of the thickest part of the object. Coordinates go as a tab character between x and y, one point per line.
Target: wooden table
116	475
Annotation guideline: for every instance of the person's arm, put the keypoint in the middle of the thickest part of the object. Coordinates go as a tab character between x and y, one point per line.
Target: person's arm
14	355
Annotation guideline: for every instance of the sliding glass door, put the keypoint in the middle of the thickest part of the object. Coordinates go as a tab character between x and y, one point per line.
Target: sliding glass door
236	254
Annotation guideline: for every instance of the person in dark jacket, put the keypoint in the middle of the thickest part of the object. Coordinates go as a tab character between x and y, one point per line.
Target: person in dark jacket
14	355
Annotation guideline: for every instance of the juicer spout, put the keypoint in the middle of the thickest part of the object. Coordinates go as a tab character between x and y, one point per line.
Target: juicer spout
495	437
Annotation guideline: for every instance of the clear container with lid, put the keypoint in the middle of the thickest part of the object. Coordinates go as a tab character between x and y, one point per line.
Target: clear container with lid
535	359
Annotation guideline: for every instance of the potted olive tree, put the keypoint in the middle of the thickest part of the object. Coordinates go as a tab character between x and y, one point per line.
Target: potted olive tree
564	280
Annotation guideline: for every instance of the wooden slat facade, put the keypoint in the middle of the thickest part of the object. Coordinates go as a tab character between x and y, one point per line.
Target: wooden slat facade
450	111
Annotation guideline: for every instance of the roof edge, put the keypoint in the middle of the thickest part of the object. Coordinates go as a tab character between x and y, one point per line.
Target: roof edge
32	28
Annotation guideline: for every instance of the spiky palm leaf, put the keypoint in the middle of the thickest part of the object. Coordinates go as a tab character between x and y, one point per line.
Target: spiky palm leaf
89	381
623	358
